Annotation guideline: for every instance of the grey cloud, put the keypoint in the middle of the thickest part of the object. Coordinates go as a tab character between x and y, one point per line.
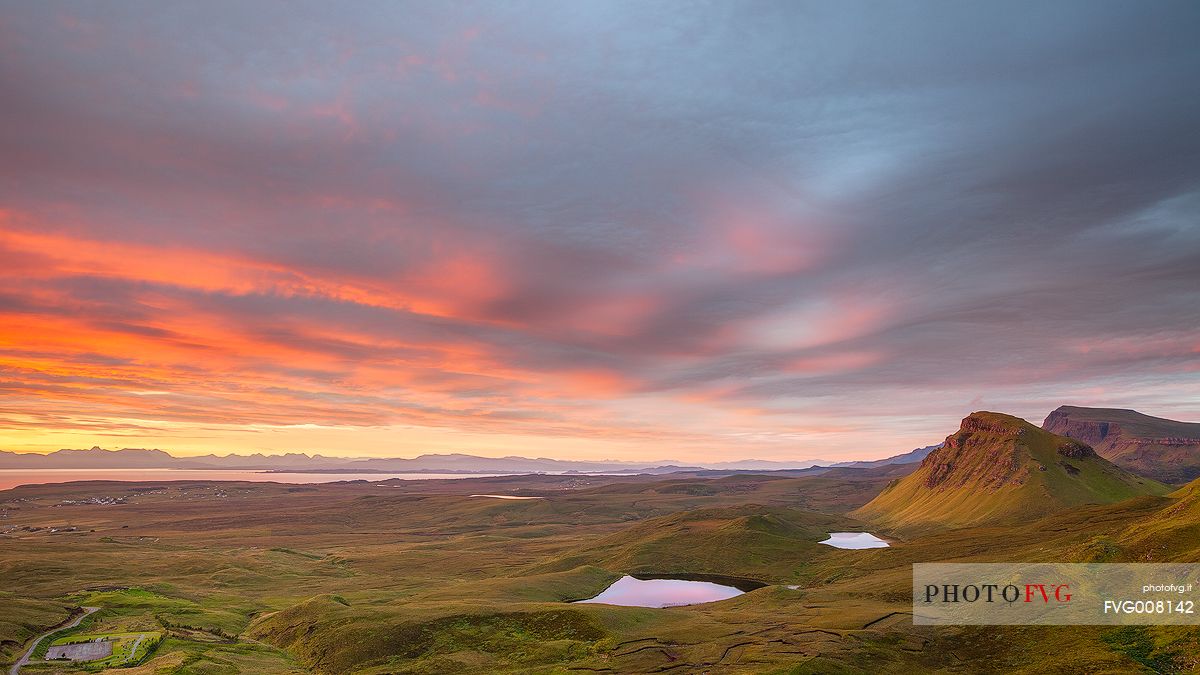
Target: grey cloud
1009	179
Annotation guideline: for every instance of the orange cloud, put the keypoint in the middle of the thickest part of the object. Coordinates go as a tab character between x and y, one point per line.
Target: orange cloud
445	285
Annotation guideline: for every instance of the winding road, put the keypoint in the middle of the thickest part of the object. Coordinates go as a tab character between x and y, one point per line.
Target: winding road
16	667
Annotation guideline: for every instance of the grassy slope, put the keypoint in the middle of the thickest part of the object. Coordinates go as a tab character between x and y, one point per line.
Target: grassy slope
23	619
999	468
336	637
1173	533
751	540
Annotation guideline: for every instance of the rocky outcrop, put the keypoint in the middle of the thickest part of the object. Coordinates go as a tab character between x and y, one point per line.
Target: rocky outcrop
1075	449
977	422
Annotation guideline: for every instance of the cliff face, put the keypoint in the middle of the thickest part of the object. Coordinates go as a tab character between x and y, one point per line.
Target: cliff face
1089	431
1162	449
982	453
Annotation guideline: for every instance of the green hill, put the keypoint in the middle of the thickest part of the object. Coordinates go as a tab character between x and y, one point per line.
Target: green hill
331	637
759	542
1001	469
1172	534
1162	449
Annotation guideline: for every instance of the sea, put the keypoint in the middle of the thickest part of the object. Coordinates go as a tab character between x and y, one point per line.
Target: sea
10	478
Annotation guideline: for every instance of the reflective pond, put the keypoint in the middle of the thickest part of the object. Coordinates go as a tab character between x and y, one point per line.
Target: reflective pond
854	540
672	592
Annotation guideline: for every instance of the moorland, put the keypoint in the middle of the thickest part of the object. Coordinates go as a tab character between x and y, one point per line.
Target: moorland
427	577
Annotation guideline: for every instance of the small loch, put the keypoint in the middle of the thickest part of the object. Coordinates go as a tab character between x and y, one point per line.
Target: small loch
656	591
854	540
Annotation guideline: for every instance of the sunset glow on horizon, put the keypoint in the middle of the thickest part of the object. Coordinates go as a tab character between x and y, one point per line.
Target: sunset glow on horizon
388	230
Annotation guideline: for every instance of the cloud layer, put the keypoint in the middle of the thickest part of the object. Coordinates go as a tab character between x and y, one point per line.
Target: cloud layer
592	229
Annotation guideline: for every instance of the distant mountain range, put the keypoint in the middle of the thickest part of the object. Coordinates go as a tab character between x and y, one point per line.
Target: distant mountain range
910	457
137	458
1162	449
1000	469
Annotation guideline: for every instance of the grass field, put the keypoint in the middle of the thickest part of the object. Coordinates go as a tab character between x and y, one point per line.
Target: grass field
409	577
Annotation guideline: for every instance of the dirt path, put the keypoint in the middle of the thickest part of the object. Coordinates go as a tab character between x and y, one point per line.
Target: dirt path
16	667
133	652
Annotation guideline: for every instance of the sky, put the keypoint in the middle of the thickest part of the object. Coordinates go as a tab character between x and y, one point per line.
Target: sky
628	230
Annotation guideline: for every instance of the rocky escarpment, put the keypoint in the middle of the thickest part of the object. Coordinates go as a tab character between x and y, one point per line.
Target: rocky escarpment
1064	423
973	455
989	452
1163	449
